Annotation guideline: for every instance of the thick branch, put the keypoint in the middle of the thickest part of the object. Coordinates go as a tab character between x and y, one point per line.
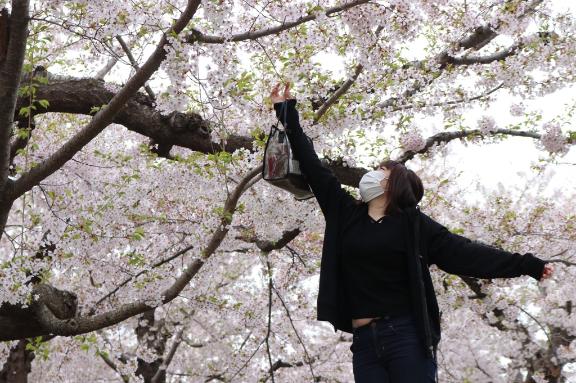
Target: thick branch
444	137
81	96
477	39
339	92
342	89
106	68
14	30
106	115
17	322
197	36
487	59
267	245
481	36
5	207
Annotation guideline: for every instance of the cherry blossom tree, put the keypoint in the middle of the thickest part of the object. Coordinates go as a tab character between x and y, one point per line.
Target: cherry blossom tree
138	241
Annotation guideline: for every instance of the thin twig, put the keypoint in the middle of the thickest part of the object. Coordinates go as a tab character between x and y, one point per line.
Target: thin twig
166	362
267	338
451	102
155	265
308	358
134	64
113	366
552	343
247	361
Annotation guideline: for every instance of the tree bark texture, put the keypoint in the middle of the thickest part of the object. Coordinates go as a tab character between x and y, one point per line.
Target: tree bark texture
18	365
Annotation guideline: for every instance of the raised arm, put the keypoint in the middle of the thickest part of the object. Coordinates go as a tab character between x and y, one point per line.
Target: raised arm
324	184
459	255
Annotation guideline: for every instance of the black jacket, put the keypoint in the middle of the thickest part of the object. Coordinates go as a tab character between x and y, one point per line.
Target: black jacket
450	252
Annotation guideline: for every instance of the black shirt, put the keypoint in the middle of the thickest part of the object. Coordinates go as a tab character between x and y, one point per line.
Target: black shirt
375	267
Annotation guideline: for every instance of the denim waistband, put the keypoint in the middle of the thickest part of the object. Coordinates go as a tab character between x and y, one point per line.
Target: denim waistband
388	318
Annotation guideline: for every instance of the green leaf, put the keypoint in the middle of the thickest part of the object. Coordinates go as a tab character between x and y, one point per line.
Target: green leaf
23	133
44	103
136	259
35	218
25	111
138	234
458	231
86	225
41	80
96	109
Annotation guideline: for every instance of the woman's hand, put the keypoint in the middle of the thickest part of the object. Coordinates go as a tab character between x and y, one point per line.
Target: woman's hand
276	97
548	269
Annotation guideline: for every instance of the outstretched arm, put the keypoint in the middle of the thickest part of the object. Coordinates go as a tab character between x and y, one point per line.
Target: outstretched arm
459	255
324	184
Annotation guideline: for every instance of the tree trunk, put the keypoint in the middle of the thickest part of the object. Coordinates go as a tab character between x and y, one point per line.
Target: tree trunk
4	212
152	335
13	35
18	365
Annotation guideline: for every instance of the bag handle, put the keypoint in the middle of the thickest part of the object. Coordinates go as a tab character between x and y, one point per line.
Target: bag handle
284	110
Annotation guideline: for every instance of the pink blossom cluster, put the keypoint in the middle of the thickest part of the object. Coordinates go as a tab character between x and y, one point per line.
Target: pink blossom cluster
412	140
517	109
487	124
553	139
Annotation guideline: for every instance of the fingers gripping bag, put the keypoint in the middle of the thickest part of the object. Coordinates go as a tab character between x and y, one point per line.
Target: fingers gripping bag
280	168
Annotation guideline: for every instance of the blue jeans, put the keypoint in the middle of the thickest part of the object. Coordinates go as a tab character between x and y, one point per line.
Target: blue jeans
388	350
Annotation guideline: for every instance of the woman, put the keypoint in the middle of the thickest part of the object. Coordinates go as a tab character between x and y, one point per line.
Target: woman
374	278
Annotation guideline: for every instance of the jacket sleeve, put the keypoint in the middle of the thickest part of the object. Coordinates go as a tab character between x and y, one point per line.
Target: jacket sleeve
459	255
324	184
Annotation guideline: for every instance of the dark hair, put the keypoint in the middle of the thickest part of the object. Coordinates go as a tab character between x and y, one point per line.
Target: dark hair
404	189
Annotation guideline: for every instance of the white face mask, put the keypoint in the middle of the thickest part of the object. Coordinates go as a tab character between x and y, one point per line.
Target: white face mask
370	187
